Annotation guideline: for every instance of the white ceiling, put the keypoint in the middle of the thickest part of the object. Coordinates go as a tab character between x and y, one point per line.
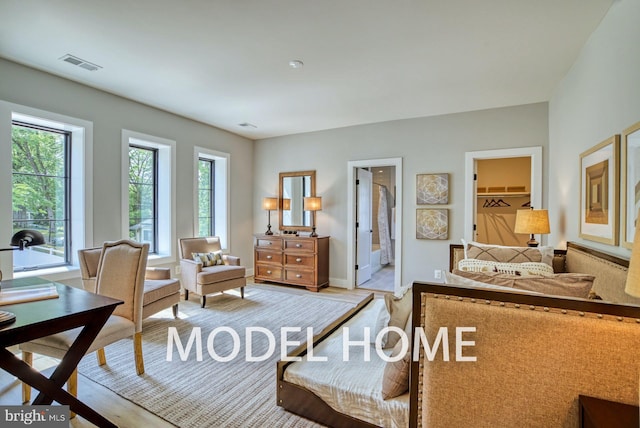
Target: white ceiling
226	62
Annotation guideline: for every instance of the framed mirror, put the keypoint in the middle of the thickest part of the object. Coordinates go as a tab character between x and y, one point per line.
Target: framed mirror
294	187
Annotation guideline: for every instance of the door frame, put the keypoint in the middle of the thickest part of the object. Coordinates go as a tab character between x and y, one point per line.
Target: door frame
351	217
535	153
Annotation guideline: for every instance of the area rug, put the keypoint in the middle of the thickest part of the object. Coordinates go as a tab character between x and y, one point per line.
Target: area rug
212	393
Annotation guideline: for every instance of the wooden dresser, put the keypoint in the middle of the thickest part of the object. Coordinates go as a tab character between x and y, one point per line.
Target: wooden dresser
294	260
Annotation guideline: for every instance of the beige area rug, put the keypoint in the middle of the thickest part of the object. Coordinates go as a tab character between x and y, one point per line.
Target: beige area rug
210	393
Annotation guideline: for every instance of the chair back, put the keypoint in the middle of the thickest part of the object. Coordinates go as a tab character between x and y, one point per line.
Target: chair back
89	259
120	275
207	244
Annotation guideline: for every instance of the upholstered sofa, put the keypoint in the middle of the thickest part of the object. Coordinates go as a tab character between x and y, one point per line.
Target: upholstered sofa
534	355
203	280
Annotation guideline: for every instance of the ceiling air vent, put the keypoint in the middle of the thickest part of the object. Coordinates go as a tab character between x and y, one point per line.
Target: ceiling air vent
247	125
80	62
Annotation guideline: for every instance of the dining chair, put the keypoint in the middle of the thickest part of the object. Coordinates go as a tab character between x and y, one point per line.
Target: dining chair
120	275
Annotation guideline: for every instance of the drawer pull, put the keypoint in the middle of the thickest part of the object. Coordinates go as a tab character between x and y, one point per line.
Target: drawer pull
298	260
269	272
269	243
298	276
298	245
269	257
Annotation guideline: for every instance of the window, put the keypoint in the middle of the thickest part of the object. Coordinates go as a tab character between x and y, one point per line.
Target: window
211	194
73	228
40	158
143	196
206	197
148	189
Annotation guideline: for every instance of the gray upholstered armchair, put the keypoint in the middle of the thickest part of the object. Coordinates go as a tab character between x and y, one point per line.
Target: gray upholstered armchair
212	272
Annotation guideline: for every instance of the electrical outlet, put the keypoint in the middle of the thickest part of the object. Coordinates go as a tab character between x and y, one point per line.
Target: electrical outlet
437	274
178	269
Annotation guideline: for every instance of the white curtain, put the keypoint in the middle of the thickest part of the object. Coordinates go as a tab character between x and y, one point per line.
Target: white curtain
386	255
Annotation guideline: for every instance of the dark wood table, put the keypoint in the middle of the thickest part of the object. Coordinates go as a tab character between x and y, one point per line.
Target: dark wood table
74	308
596	413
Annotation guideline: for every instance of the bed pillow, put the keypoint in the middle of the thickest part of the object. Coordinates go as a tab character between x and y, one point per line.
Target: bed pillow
208	259
560	284
453	279
382	318
500	253
395	378
400	312
523	269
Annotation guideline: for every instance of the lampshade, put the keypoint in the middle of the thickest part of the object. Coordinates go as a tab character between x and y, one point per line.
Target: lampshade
313	203
532	221
286	204
25	238
269	203
633	275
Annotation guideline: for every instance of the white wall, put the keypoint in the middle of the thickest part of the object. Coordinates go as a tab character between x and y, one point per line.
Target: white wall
110	114
599	97
431	144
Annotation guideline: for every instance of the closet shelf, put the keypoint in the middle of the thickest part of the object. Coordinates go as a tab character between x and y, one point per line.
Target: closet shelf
504	195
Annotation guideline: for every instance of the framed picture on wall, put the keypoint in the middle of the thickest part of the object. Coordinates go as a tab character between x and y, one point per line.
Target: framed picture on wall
432	223
630	182
432	189
599	178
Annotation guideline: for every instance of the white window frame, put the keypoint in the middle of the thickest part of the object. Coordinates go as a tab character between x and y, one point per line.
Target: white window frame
221	193
166	192
81	226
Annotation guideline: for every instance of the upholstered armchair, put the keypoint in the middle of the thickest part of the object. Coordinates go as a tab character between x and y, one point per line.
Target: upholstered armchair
160	290
120	275
206	270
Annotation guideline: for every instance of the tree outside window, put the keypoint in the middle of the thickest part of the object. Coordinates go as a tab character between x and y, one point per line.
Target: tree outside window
143	196
40	193
206	197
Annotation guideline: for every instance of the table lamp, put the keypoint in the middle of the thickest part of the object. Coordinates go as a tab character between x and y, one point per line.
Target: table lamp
286	204
532	221
269	204
19	241
313	203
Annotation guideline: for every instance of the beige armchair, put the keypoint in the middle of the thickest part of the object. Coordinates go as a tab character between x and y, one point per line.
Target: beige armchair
210	279
160	290
120	274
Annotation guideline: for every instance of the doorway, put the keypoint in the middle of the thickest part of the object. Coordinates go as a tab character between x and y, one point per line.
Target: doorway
373	247
512	180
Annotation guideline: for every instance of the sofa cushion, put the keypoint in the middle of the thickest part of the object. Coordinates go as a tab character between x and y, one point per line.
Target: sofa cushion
561	284
213	274
208	259
400	312
156	289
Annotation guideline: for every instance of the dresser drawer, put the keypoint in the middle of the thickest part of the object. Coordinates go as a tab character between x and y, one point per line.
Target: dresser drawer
269	256
299	260
275	243
299	245
269	272
299	276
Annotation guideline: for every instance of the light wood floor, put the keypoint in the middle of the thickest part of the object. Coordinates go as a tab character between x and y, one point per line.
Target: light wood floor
123	412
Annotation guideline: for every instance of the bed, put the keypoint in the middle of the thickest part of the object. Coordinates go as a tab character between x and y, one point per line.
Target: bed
496	390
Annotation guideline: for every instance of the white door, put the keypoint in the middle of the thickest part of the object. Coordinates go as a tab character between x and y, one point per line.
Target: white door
364	227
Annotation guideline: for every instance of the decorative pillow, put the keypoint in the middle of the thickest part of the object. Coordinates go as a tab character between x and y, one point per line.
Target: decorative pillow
522	269
499	253
395	379
561	284
208	259
400	312
381	321
453	279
